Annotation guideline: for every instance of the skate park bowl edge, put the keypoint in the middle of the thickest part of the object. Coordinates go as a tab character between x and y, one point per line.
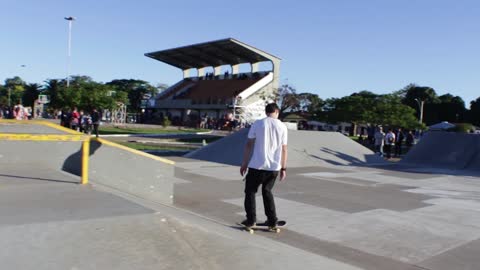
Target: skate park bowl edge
446	150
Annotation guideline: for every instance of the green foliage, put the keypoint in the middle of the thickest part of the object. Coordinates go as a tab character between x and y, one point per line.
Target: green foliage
135	90
3	96
436	108
30	94
83	93
166	122
368	108
311	103
474	113
389	111
15	87
287	99
399	109
463	128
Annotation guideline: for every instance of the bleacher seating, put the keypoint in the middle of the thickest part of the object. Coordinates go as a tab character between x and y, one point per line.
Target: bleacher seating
216	91
178	87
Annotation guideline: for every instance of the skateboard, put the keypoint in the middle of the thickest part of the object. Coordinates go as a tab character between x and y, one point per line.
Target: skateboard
263	226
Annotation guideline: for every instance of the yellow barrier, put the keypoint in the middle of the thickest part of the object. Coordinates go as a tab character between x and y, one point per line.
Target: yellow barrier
85	158
42	137
72	136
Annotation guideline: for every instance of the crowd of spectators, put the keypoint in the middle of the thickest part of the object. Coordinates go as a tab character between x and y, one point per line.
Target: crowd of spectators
81	121
393	143
17	112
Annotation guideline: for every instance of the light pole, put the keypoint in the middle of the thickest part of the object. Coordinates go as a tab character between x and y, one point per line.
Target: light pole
69	52
420	106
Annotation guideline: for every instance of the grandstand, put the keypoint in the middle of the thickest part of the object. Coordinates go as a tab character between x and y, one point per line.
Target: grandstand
225	89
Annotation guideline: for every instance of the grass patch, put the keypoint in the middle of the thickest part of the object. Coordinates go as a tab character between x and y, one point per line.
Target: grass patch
355	138
208	139
109	130
143	147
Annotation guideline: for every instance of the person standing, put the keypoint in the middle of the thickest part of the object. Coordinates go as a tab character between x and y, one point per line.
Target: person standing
379	140
75	119
409	140
399	137
267	139
389	142
95	121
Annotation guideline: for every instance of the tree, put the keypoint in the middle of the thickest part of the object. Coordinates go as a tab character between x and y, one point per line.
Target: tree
137	91
389	111
310	102
474	113
287	99
356	108
413	94
3	96
83	93
30	94
451	108
368	108
56	92
15	87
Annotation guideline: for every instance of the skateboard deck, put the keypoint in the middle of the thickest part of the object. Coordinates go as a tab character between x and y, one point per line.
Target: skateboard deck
263	226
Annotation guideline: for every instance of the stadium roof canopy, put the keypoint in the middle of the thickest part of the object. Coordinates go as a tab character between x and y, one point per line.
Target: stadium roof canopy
212	54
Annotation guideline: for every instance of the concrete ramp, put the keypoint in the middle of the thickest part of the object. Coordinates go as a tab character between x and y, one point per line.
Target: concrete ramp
305	149
135	173
446	150
110	164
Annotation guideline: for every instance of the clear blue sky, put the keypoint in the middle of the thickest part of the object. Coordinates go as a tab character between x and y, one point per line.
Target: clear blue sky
331	48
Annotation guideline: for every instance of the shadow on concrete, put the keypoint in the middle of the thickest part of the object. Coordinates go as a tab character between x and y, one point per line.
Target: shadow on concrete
421	169
35	178
372	162
73	164
350	160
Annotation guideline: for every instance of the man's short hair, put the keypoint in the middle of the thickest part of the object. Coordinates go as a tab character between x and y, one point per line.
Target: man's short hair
271	108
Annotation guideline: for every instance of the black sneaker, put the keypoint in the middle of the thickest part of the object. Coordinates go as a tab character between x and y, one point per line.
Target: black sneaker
248	224
273	229
271	224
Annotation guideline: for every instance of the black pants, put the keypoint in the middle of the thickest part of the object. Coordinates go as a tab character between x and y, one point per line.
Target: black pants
95	129
388	150
253	180
398	149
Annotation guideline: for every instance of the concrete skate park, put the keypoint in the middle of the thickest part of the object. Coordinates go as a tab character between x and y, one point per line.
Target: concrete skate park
346	208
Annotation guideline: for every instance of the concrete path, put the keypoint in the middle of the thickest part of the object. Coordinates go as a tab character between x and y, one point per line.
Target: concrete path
50	222
367	217
140	213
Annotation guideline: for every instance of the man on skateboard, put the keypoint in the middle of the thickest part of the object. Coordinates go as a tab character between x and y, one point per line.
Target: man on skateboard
267	139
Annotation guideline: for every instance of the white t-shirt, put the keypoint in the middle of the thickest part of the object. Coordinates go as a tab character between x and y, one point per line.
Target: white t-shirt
390	138
269	134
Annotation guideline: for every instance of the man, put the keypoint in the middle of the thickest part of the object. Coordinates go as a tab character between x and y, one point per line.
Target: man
75	119
379	141
95	120
389	143
399	137
268	140
410	139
